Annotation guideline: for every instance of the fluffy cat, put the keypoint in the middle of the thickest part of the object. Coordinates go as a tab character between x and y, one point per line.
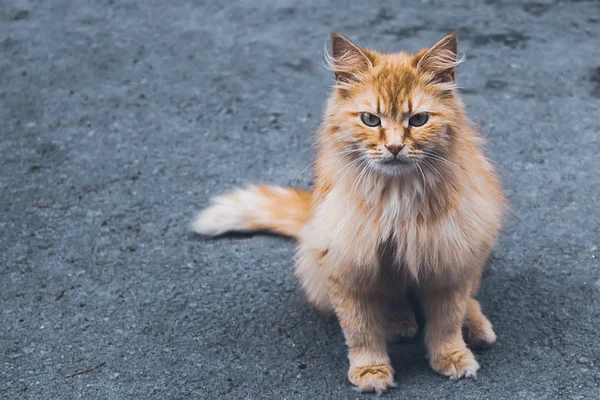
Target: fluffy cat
405	203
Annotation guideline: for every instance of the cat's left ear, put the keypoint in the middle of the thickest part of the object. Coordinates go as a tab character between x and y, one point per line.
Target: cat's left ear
440	59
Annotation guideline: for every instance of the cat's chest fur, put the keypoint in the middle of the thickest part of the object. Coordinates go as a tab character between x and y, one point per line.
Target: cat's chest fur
355	227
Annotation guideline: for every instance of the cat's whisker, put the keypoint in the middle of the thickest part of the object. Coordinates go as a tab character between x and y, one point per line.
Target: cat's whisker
344	152
347	169
439	157
356	183
362	159
432	167
434	159
442	160
371	169
424	195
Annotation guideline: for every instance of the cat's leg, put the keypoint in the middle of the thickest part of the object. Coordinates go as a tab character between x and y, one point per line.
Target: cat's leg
361	314
401	323
310	276
479	330
445	310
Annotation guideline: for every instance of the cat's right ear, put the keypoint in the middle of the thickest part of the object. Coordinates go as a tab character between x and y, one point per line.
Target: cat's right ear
347	60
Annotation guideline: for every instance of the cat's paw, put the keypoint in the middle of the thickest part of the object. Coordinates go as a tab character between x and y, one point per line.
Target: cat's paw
455	364
377	378
402	328
478	330
480	337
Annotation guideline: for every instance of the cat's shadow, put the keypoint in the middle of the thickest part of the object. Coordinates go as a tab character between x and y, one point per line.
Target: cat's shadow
238	235
326	343
409	358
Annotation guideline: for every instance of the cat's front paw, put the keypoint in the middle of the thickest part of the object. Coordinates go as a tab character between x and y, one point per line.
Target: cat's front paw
377	378
455	364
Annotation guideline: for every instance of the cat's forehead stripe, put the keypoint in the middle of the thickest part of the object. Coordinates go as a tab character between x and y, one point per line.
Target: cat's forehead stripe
401	107
396	93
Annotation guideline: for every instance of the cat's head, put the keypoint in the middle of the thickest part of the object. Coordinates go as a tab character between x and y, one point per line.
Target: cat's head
393	111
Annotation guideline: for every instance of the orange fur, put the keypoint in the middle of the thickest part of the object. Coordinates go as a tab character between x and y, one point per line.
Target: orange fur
256	208
380	225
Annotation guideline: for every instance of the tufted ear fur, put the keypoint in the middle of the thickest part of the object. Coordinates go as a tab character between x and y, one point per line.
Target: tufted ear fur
348	61
440	59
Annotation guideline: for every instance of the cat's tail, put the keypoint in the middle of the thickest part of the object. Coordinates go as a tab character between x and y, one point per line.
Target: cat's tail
256	208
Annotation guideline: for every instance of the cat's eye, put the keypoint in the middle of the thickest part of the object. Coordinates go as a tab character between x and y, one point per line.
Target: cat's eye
369	119
418	119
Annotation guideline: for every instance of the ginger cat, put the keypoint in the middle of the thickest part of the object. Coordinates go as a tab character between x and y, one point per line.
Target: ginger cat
405	202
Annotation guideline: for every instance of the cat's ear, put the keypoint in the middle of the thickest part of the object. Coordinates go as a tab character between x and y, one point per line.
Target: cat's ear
440	59
348	61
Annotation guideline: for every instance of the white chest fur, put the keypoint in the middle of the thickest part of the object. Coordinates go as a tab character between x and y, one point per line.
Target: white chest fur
353	227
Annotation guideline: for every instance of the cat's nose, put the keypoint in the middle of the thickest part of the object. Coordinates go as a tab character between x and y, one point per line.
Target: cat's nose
394	148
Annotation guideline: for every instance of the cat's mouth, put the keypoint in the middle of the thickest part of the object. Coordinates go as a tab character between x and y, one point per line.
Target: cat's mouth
391	165
394	166
396	161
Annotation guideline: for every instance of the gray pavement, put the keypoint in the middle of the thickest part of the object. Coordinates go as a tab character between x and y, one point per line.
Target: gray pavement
119	119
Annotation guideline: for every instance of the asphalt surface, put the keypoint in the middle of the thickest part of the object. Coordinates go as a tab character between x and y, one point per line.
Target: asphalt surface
118	121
